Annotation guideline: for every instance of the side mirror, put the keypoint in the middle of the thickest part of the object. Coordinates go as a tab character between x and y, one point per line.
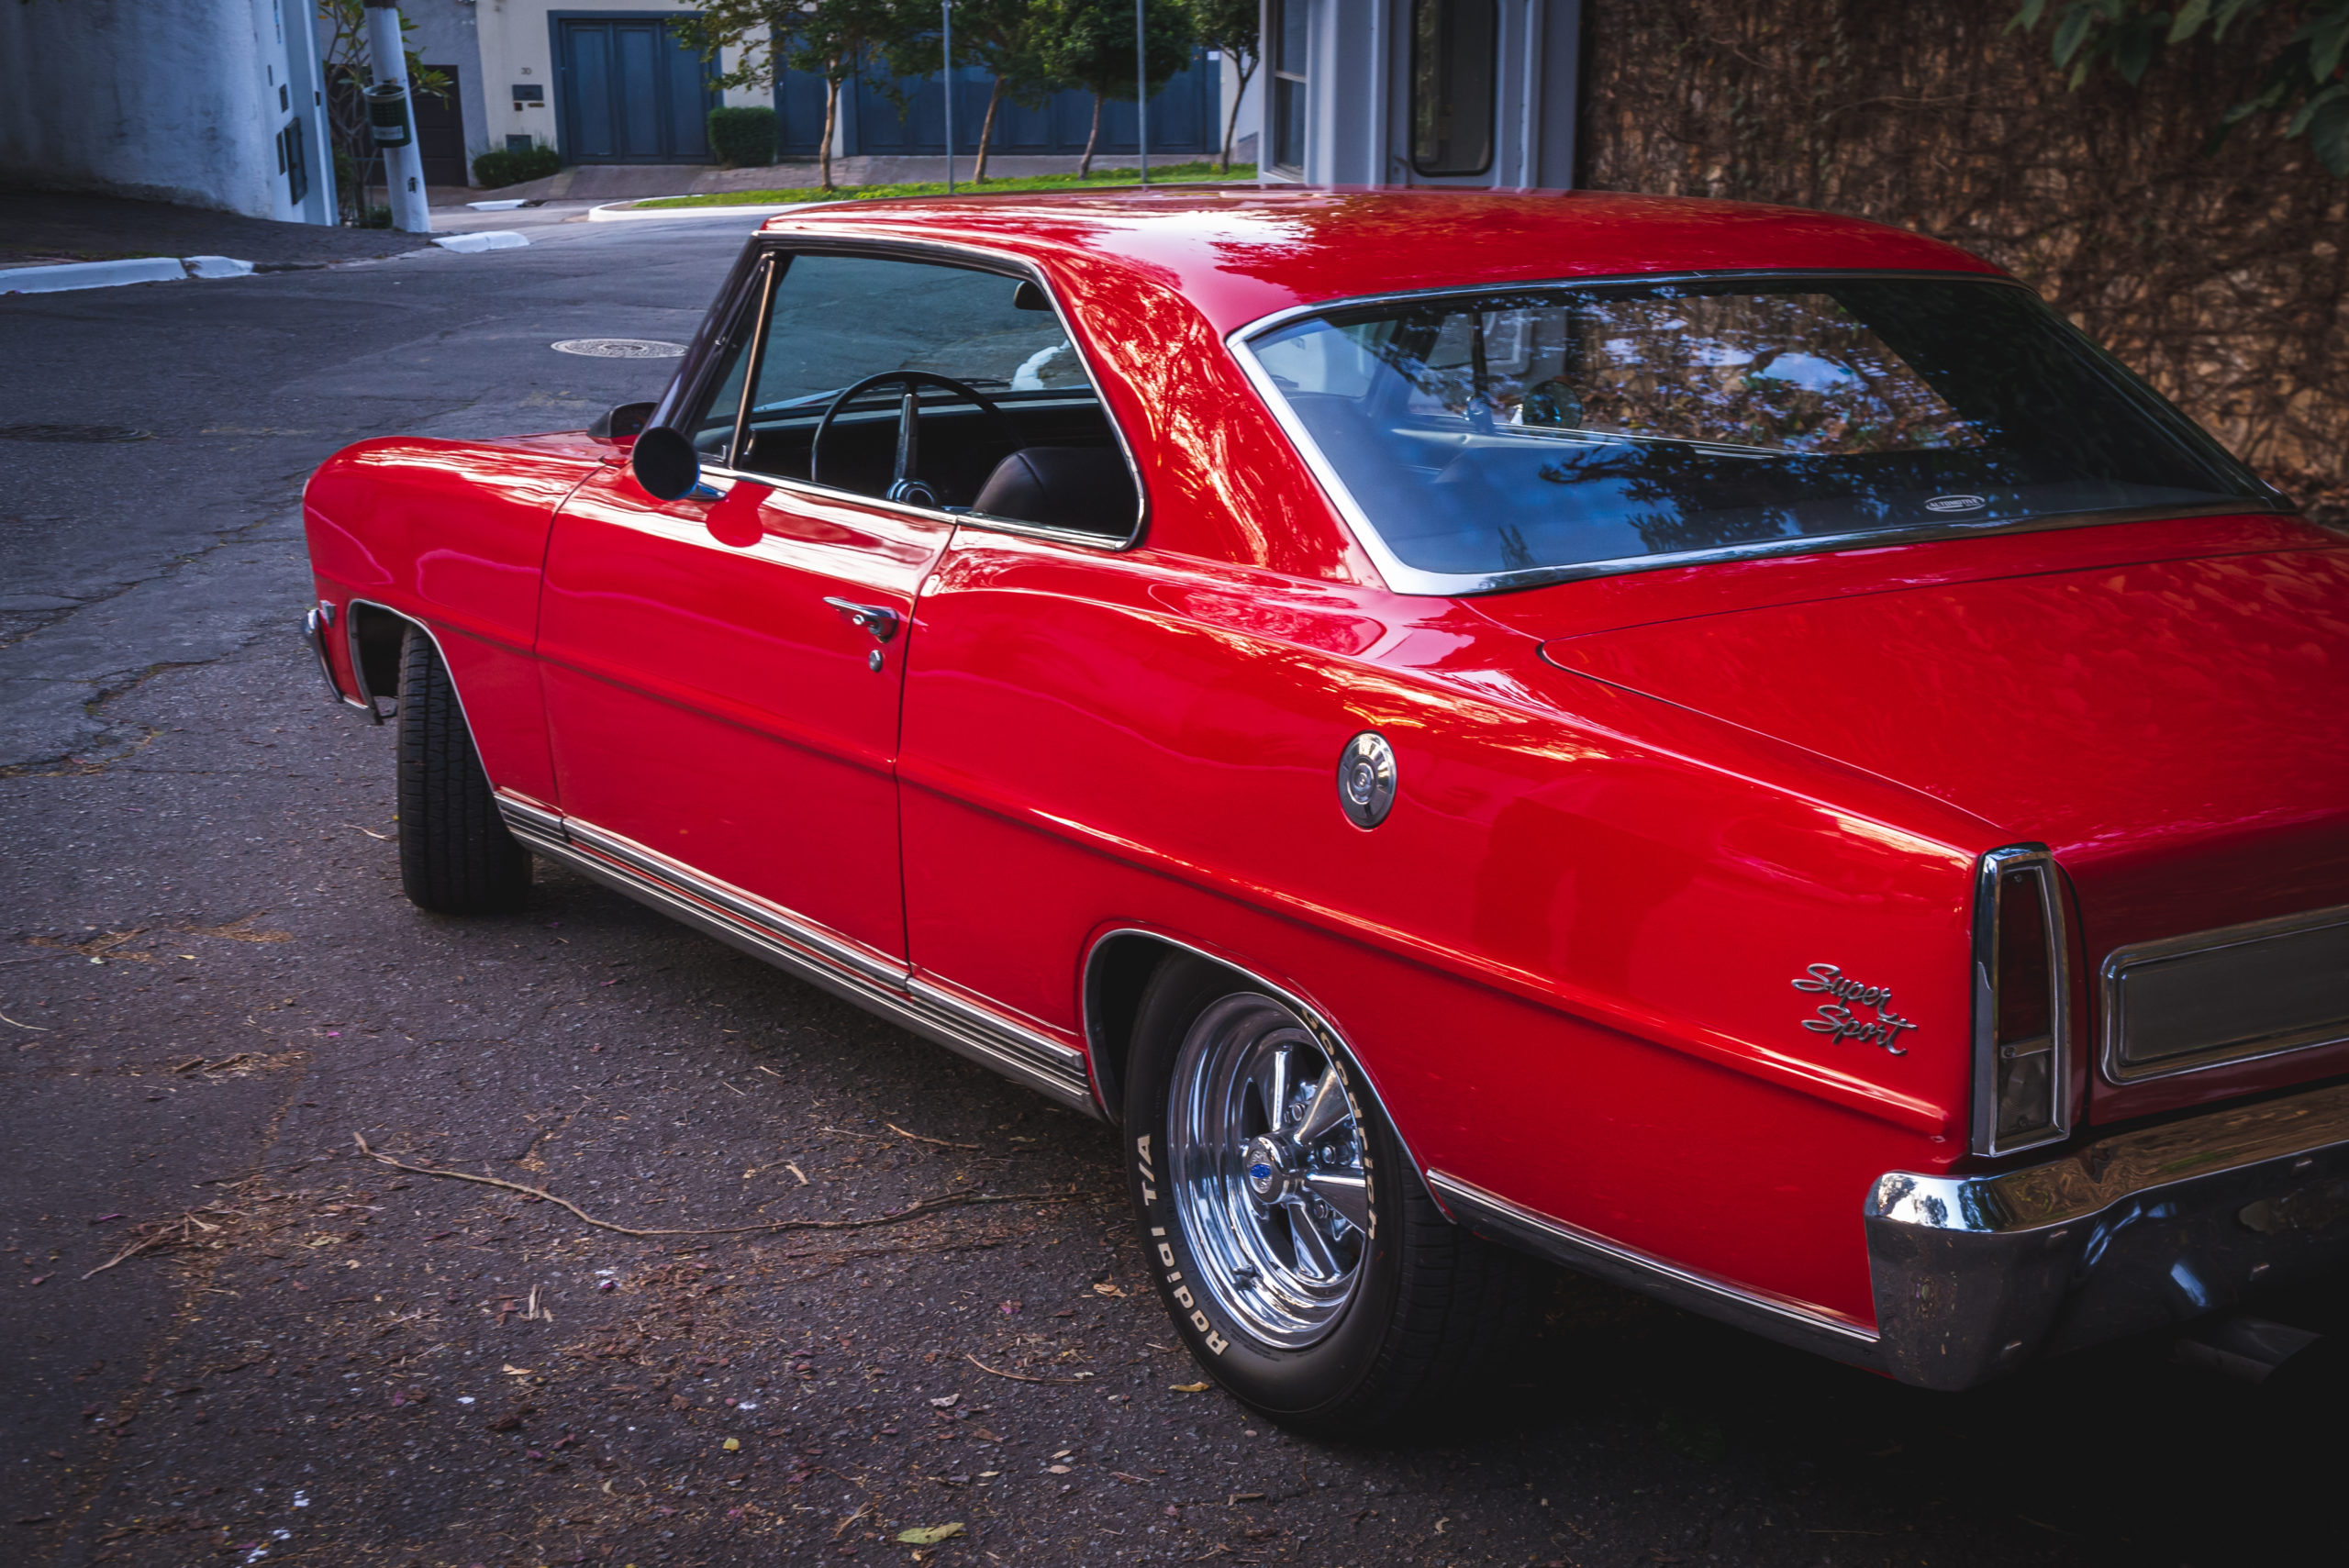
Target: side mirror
666	463
1028	296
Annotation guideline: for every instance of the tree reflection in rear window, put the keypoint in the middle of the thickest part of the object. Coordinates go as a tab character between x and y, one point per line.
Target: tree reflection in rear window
1558	428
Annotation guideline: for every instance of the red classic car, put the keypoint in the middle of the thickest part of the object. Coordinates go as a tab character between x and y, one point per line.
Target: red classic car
1719	746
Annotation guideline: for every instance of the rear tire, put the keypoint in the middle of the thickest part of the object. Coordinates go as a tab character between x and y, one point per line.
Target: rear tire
456	857
1325	1325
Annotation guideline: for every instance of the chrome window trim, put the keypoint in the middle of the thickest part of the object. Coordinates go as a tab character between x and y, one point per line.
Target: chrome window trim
805	950
766	245
1404	578
1987	874
1762	1312
2113	971
762	302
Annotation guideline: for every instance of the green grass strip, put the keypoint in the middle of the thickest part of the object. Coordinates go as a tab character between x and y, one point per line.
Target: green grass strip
1160	173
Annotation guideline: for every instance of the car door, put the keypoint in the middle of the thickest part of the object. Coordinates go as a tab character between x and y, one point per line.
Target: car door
723	671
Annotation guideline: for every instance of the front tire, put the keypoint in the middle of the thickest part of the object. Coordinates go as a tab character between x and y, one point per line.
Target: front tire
456	857
1290	1237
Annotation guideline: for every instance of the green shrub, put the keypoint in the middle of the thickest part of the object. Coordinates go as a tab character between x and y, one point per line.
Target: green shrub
742	137
499	168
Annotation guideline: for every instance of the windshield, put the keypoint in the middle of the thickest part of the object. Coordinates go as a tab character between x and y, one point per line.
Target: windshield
1604	427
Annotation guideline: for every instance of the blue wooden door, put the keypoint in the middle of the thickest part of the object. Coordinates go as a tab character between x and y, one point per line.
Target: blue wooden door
631	91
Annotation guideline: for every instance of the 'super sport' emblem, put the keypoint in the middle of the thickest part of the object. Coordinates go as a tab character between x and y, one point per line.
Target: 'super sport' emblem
1838	1021
1955	503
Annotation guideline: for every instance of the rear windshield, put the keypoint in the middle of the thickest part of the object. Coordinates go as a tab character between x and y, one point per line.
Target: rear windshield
1603	427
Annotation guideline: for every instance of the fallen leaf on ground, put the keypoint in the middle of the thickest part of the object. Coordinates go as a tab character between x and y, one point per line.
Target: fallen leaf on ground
1106	1288
1188	1387
928	1535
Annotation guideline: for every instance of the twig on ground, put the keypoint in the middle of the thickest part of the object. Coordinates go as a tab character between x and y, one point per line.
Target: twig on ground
129	1253
916	1209
36	1028
918	1138
1021	1376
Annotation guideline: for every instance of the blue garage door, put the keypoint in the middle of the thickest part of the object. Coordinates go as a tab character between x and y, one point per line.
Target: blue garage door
1184	117
630	91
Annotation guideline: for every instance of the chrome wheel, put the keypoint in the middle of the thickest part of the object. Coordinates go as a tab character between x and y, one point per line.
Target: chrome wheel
1269	1177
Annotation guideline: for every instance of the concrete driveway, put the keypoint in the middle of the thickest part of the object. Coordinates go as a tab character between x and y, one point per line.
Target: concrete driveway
233	1336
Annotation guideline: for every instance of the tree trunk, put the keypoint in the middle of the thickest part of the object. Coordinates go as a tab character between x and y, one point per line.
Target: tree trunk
1231	123
986	132
831	114
1084	164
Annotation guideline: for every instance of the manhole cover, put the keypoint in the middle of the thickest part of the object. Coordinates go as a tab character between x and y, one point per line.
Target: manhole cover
620	348
88	434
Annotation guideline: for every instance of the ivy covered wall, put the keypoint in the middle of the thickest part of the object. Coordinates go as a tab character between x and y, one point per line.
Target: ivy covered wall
2219	275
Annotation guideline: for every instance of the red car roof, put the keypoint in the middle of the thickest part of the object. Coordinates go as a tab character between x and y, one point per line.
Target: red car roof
1239	252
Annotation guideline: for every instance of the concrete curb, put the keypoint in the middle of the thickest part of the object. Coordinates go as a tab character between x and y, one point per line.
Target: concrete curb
623	212
484	239
66	275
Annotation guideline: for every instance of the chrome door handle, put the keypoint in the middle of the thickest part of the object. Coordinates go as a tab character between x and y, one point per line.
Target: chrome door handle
878	619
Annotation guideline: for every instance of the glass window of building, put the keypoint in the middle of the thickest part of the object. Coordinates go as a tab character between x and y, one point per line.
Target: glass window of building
1288	29
1453	69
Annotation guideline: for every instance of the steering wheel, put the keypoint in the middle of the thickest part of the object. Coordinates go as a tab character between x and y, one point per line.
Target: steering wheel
906	482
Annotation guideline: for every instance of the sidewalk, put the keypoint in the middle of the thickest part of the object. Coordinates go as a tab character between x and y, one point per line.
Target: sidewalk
38	227
588	185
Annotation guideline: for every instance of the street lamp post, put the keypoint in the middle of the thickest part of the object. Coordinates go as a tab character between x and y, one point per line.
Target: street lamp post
402	162
947	7
1142	90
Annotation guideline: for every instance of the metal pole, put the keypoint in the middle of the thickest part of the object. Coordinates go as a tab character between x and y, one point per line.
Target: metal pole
948	7
1142	90
403	166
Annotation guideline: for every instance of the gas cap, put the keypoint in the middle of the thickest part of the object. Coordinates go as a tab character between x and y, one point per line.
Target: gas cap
1366	779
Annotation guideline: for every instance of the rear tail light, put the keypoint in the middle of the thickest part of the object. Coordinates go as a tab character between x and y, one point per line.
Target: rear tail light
2022	1048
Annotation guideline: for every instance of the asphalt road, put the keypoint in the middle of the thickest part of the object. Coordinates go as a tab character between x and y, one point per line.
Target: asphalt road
210	989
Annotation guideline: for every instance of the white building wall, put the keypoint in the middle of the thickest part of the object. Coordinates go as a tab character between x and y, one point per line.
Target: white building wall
158	99
1246	135
1358	94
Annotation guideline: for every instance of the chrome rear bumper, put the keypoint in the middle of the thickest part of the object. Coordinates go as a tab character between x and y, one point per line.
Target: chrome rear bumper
1974	1275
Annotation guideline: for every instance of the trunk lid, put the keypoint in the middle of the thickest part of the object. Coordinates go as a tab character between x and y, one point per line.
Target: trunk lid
2176	729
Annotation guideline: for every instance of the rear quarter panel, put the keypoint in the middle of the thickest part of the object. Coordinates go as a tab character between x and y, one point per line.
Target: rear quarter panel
1566	961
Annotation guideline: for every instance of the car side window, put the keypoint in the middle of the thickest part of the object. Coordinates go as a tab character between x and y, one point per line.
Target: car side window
1005	420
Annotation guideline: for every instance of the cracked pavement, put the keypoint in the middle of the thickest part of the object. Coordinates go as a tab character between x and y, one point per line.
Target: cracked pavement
232	1337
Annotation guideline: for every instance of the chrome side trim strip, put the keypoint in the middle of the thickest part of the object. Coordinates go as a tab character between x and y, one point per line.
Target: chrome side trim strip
1775	1317
766	918
1052	1069
522	816
2114	975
